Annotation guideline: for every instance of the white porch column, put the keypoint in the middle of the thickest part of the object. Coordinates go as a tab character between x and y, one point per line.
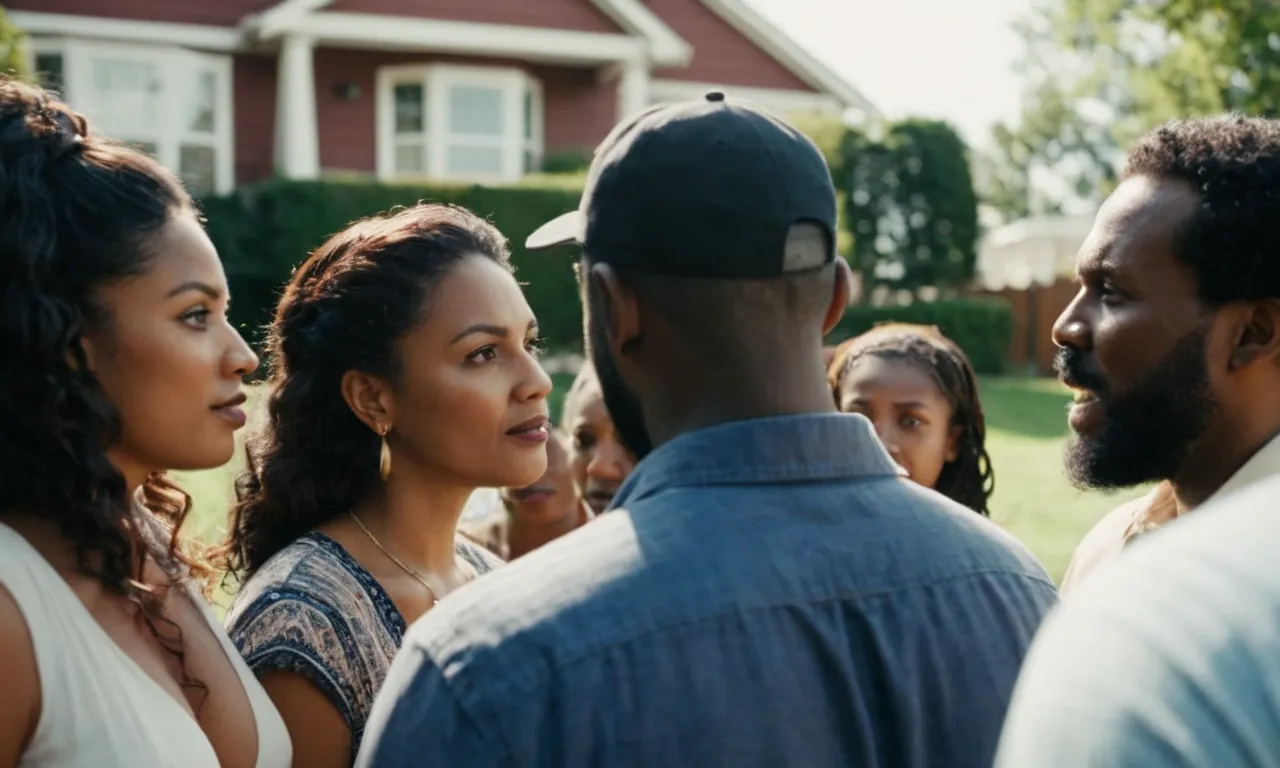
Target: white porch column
633	87
297	130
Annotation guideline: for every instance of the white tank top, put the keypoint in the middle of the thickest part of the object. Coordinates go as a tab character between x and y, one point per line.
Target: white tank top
99	709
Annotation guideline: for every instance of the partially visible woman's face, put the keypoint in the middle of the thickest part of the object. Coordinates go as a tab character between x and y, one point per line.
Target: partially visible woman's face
470	404
599	461
168	358
551	498
911	415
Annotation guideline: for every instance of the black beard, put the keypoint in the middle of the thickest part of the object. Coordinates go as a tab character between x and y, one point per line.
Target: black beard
623	405
1150	427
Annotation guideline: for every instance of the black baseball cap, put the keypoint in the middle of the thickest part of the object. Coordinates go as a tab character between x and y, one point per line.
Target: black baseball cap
707	188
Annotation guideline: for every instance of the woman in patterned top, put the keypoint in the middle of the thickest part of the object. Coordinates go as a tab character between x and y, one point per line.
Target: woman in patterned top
404	376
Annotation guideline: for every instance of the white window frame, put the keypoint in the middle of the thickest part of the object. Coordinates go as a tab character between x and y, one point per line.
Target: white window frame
172	62
39	46
534	145
436	80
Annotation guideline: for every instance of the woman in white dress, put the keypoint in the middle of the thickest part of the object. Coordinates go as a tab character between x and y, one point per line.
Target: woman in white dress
118	363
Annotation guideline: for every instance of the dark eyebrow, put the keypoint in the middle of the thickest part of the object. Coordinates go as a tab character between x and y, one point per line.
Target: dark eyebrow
485	328
1099	263
1098	266
196	285
490	329
919	405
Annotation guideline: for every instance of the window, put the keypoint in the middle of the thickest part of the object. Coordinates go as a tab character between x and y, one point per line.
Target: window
48	72
411	128
474	143
532	114
172	103
452	122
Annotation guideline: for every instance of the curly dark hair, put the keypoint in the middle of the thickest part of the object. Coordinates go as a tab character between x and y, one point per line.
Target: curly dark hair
79	212
345	309
1234	164
969	478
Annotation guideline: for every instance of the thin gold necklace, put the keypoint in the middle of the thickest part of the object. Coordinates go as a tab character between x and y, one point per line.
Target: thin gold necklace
396	560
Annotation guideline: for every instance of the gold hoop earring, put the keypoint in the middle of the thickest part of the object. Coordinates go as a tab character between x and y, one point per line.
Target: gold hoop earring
384	456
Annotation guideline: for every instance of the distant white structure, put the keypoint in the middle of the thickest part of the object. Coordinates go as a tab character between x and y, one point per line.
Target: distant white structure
1036	251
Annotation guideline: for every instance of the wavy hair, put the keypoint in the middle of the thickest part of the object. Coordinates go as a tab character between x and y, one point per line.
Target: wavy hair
80	212
345	309
969	478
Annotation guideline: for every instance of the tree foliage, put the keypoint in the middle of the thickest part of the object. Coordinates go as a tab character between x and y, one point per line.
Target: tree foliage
13	54
910	206
1097	74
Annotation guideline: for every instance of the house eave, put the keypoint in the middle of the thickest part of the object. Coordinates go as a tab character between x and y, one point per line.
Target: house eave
665	47
644	35
764	33
198	36
552	46
780	101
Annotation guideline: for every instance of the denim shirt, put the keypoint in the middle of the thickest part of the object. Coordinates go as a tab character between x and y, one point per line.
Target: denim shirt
765	593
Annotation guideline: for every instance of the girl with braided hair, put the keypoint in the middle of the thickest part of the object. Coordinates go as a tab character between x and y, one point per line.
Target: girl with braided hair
919	390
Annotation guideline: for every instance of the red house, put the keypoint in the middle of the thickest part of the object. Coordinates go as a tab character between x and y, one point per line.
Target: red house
230	91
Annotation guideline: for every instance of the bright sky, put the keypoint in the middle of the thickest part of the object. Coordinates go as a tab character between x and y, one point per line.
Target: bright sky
947	59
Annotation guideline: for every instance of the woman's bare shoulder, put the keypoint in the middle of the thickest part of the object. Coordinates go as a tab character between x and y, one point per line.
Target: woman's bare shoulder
20	706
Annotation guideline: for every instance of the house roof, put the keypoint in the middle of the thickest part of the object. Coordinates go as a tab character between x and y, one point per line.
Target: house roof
665	47
778	44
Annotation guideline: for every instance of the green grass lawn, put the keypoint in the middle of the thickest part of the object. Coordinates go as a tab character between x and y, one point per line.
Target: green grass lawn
1026	432
1026	436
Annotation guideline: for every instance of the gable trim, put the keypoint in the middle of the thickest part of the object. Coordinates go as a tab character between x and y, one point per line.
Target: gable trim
199	36
780	101
786	51
666	48
280	18
466	38
663	47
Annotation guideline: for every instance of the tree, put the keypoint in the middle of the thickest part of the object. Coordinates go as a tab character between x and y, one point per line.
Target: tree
911	206
1100	73
828	132
825	130
13	54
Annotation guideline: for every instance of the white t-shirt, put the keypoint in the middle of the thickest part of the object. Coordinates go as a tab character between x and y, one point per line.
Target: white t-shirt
1168	656
1105	541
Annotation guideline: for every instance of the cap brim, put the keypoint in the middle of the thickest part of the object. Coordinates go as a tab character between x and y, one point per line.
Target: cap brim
562	230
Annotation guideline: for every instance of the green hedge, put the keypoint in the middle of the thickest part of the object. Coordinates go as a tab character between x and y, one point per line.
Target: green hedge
264	231
982	327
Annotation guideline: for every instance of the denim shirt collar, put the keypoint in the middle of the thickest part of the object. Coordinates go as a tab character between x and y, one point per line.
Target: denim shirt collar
772	451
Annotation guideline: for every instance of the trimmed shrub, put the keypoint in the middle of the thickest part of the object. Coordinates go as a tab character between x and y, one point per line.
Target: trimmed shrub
264	231
982	327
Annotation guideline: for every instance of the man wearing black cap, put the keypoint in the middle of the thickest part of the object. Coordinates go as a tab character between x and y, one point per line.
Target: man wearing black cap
767	589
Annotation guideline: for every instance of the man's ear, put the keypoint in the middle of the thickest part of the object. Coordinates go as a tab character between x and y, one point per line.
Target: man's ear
1256	336
621	309
840	293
